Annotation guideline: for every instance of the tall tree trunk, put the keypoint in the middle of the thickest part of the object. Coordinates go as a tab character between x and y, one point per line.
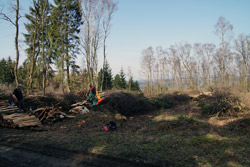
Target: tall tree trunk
33	64
43	54
199	76
67	53
104	60
16	43
44	66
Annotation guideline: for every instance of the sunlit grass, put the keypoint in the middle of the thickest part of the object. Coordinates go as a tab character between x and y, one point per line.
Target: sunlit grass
97	150
167	117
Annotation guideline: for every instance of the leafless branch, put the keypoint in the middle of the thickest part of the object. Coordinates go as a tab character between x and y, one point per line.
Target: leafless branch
3	16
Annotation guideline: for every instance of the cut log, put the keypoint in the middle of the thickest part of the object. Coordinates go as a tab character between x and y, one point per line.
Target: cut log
25	118
6	109
4	103
38	110
31	123
19	120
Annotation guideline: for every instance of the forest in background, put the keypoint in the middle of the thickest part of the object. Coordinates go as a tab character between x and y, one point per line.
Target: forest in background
58	32
202	66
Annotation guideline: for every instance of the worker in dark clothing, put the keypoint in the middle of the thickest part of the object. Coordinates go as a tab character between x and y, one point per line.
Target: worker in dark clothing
18	97
91	93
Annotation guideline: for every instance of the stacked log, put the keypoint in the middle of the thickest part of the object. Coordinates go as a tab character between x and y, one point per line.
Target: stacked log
50	114
10	118
19	120
4	102
5	107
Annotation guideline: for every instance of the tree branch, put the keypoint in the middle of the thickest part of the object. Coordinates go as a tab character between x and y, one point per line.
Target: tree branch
6	18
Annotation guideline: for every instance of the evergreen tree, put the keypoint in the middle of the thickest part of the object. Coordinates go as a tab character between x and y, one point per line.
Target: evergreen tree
117	82
107	82
23	75
38	60
123	83
32	39
135	86
2	70
68	16
9	76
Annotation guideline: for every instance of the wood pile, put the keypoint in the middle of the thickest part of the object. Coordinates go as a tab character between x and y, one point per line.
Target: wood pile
4	102
5	107
50	114
79	104
80	108
11	116
19	120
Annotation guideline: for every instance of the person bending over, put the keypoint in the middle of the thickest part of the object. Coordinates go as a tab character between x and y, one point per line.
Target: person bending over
91	93
18	97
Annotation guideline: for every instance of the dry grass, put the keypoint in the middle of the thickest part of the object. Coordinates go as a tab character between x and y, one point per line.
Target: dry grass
179	136
6	90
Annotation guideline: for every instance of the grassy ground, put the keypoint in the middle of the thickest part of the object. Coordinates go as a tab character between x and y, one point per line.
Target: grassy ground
180	136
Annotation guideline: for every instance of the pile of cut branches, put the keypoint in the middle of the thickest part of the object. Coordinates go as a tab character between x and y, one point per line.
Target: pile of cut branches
50	114
223	102
127	104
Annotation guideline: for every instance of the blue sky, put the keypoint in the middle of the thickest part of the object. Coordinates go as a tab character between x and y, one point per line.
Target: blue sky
138	24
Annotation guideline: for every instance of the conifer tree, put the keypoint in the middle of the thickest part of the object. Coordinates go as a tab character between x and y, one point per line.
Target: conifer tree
117	82
68	15
123	83
32	39
107	82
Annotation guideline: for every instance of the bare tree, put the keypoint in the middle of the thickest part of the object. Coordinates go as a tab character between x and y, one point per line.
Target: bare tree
91	36
241	45
16	24
86	40
184	52
147	64
108	8
97	15
209	51
129	74
223	29
176	67
159	52
163	68
199	53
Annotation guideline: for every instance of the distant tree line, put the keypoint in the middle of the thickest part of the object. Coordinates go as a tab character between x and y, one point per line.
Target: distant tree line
118	82
199	66
7	76
57	33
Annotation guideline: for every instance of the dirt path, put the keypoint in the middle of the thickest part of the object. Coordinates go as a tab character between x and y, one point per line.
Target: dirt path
30	156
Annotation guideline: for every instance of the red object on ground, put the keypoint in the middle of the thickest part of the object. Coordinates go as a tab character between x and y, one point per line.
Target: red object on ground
99	101
106	128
